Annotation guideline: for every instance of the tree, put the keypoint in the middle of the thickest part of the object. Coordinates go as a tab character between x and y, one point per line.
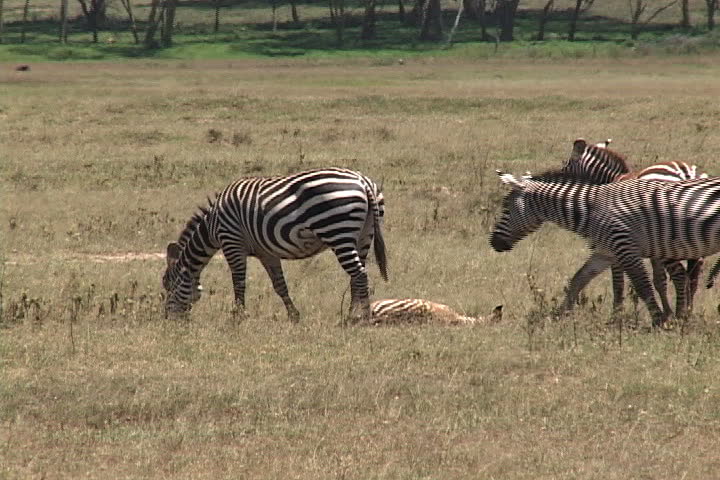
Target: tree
368	23
505	11
2	22
476	9
712	6
169	23
23	27
63	21
152	24
685	12
461	7
544	18
430	20
94	15
637	10
337	16
581	6
294	12
131	17
162	15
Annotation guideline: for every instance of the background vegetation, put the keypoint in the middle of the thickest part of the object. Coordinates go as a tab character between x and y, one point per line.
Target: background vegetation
102	163
105	29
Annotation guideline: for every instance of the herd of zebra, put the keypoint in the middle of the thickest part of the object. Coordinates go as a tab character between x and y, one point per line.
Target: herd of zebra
667	213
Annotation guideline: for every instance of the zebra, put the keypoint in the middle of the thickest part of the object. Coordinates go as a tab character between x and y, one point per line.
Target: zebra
276	218
623	222
600	165
418	311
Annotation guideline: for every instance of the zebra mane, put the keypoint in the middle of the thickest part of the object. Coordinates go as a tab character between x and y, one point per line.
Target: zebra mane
562	176
618	158
197	218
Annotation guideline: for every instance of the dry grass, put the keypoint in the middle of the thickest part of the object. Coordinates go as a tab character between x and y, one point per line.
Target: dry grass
110	159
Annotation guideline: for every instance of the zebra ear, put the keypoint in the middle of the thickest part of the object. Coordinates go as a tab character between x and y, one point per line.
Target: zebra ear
604	144
579	147
173	253
509	179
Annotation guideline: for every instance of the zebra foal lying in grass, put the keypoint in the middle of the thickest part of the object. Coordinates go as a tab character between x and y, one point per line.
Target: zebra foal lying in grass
623	223
599	165
274	218
418	311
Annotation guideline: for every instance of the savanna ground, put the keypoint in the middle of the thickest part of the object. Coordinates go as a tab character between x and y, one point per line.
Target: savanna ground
101	165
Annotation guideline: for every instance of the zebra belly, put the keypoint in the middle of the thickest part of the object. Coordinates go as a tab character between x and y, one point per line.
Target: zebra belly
302	243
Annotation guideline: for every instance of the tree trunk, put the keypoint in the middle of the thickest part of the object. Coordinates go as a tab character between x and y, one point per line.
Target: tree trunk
131	18
368	24
685	10
401	10
23	27
544	18
63	21
461	8
574	20
152	23
294	12
337	16
169	24
274	16
637	8
216	24
482	18
431	23
505	12
712	6
2	20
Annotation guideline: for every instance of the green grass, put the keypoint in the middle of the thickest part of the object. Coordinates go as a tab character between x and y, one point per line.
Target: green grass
103	163
246	32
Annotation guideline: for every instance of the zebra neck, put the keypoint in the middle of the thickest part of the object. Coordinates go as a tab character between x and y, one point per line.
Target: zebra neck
568	206
199	248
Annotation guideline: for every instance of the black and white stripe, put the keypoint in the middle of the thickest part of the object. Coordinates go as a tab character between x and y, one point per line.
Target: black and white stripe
275	218
623	222
600	165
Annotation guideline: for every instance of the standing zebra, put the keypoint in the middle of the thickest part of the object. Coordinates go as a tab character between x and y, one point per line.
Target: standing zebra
598	164
623	222
274	218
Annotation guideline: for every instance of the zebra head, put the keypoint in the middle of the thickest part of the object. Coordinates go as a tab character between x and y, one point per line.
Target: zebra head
182	288
595	163
517	220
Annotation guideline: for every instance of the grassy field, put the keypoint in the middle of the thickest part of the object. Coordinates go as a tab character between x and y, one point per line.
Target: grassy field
102	164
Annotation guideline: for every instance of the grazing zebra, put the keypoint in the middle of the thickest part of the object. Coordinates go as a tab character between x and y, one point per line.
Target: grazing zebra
623	222
600	165
274	218
418	311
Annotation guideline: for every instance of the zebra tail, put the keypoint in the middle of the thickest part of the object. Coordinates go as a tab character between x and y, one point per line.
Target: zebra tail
380	253
378	240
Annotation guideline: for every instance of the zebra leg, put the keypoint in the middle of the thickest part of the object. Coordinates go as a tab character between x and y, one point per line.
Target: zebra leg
593	266
694	269
618	282
237	261
713	273
660	282
634	267
273	267
679	276
353	264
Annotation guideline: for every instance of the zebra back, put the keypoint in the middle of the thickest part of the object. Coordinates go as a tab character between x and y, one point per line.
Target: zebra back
668	171
595	163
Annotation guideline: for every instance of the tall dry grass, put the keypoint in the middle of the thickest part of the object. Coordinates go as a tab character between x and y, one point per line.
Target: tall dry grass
110	159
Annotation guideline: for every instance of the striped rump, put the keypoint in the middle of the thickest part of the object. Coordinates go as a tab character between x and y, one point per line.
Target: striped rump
416	311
